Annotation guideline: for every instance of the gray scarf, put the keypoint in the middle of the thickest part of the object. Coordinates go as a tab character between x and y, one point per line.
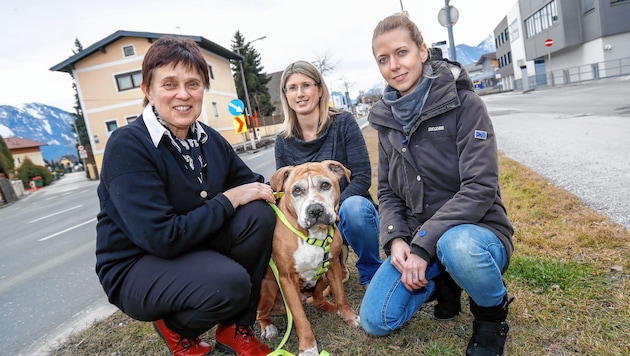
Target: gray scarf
406	109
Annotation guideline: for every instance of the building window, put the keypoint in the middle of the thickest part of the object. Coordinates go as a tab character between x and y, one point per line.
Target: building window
131	119
215	109
542	19
514	30
588	6
110	126
128	81
129	51
210	72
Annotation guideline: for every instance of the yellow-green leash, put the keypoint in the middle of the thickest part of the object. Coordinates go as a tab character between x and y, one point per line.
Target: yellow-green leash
279	351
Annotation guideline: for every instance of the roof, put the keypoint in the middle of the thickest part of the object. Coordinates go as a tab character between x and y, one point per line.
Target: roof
68	64
14	143
274	85
71	158
491	56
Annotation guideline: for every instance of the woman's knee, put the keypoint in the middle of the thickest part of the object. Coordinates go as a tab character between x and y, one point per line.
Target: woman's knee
261	214
371	323
352	205
356	212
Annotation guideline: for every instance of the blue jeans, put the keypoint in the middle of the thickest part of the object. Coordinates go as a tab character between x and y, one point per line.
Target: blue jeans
358	224
473	256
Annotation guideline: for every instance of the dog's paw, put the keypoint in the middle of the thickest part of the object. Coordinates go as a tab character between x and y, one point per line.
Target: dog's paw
351	318
270	332
310	352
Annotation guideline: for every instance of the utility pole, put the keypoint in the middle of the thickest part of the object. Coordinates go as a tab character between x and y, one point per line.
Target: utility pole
76	130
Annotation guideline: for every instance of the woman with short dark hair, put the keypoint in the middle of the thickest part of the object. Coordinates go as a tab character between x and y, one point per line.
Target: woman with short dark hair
185	231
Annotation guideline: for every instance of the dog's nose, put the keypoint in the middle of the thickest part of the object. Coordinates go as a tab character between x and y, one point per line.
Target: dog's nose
315	210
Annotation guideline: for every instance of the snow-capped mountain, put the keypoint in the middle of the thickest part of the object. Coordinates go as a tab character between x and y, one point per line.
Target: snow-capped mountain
43	123
469	55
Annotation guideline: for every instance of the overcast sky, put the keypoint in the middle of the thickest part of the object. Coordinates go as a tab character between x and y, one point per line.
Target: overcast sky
38	34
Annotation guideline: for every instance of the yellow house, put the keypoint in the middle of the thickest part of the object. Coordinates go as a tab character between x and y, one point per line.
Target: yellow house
22	149
108	74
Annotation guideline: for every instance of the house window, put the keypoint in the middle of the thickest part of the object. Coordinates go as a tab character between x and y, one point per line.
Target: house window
129	80
210	72
131	119
110	126
215	109
129	51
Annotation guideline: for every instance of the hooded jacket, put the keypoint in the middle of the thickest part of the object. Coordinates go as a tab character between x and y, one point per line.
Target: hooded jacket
445	172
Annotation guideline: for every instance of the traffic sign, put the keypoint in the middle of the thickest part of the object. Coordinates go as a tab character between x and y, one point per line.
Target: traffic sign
240	126
236	107
80	148
548	42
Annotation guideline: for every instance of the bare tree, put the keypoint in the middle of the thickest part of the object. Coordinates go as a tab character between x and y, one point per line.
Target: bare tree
325	64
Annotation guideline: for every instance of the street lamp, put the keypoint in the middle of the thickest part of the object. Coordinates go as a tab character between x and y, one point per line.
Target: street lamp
249	107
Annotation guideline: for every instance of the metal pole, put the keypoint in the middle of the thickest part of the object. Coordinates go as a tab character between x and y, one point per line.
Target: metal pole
550	72
79	139
249	108
451	41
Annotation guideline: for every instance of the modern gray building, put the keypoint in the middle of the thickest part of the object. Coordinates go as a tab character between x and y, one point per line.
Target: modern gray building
552	42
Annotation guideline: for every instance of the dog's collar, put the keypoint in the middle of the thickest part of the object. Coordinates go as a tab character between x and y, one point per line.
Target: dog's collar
325	243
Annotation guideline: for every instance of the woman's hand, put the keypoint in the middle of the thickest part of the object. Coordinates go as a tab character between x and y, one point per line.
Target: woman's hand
411	267
413	276
249	192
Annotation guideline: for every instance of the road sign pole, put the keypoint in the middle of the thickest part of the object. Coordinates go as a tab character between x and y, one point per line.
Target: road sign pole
244	146
548	44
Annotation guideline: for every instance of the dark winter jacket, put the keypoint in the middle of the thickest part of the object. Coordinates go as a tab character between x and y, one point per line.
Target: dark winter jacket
445	173
150	204
341	141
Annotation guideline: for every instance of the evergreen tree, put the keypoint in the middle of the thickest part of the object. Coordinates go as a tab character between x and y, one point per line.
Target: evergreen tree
256	80
79	120
6	158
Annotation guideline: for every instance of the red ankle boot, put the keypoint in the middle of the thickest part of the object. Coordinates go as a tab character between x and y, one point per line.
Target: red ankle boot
239	340
179	345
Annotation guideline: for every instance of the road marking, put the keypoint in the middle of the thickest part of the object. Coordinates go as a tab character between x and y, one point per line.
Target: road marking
53	214
66	230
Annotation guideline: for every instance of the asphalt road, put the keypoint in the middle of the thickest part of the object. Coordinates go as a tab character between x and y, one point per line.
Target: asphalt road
47	282
577	136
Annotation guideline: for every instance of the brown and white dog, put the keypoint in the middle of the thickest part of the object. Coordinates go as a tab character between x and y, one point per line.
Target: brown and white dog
310	204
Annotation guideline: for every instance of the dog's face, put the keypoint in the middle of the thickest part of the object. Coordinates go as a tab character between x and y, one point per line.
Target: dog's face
313	189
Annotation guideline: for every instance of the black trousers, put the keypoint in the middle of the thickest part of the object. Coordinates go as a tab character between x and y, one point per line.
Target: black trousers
217	283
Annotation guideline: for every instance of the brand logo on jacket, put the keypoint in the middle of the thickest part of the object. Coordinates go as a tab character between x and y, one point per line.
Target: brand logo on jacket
481	135
435	128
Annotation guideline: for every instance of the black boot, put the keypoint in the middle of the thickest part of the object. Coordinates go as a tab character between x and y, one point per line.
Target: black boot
489	329
448	295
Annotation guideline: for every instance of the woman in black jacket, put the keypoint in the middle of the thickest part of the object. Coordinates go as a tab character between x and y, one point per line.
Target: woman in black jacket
184	233
440	206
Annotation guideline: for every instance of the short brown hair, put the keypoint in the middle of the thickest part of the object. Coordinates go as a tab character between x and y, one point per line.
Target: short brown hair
169	50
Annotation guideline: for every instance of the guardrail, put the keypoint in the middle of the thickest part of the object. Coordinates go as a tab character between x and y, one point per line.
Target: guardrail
577	74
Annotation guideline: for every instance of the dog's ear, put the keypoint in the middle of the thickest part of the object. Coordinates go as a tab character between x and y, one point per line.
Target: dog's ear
279	177
338	169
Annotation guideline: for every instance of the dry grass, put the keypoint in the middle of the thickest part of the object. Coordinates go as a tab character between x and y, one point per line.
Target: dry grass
568	274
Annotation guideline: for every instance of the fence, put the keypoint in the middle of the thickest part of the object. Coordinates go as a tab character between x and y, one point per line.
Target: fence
582	73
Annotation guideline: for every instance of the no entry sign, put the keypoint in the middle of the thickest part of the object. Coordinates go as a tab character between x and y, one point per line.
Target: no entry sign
548	42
